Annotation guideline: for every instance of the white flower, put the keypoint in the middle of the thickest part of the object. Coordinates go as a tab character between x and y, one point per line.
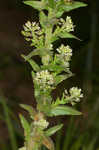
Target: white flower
41	123
65	52
76	93
28	24
44	79
67	25
32	27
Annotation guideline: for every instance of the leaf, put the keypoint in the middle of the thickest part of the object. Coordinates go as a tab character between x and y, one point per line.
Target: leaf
33	64
43	19
73	5
35	4
67	35
59	102
63	35
26	126
31	54
51	3
30	109
59	13
52	130
60	78
54	38
33	74
47	141
63	110
53	67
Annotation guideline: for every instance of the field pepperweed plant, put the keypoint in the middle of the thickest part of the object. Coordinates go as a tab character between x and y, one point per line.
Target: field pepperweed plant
54	68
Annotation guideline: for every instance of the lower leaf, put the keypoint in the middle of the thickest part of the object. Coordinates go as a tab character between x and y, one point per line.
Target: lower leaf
63	110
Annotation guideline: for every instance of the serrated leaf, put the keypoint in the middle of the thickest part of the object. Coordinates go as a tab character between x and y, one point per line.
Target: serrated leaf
52	130
73	5
29	108
26	126
35	4
63	110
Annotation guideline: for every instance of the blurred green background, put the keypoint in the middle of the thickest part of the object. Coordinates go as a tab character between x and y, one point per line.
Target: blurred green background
80	132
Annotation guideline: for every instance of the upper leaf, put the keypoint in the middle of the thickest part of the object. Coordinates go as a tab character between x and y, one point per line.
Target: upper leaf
66	7
36	4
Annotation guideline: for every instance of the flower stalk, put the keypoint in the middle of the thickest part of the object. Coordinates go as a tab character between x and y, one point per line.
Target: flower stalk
53	69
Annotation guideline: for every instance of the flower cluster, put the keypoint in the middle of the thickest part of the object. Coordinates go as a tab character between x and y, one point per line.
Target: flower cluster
65	53
44	79
75	95
75	92
42	123
67	25
33	33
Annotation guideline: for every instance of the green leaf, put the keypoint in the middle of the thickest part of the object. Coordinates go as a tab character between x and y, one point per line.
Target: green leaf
30	109
33	74
31	54
33	64
35	4
26	126
73	5
48	143
63	35
51	3
63	110
59	13
60	78
43	19
53	67
67	35
52	130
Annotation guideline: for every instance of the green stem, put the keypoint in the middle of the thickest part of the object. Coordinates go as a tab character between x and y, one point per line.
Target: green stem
48	37
49	29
